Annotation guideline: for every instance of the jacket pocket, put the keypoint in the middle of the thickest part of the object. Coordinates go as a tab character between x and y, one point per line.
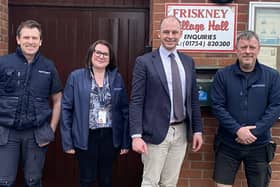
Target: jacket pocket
42	82
270	150
44	134
4	135
12	79
8	108
42	111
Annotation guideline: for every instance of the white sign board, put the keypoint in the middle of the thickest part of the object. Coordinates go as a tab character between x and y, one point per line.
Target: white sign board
206	27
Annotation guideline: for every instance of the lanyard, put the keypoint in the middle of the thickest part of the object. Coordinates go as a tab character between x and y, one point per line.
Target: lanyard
101	91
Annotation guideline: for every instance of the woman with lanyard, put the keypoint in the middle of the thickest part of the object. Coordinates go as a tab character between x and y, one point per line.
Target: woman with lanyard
94	116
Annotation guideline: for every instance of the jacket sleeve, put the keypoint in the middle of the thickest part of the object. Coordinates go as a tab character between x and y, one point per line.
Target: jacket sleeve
219	104
196	114
137	98
126	140
66	119
272	112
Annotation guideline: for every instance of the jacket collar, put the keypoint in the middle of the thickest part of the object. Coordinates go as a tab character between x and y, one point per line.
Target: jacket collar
20	54
237	69
111	74
252	76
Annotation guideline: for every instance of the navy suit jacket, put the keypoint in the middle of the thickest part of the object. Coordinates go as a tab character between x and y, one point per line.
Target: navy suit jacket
150	103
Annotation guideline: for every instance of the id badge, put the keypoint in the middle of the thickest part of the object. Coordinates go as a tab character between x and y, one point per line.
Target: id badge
101	116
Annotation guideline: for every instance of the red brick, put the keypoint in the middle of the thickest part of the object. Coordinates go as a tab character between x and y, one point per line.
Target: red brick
158	16
277	157
3	27
275	166
195	1
207	174
243	8
276	131
243	18
209	130
202	165
156	25
240	183
156	43
207	148
191	174
195	156
197	168
208	139
275	175
274	183
159	8
186	165
209	156
242	26
165	1
243	1
202	183
182	183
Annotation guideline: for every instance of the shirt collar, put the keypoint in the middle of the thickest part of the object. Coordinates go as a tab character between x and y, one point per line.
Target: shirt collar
164	52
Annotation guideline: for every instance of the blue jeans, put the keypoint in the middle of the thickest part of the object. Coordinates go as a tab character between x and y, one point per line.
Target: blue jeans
21	145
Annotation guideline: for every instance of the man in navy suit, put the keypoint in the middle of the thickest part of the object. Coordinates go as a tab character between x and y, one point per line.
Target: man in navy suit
157	133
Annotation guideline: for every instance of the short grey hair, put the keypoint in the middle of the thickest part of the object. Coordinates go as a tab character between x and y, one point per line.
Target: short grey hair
247	35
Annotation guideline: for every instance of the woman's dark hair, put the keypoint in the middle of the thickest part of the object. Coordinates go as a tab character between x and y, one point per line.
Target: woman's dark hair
29	24
91	49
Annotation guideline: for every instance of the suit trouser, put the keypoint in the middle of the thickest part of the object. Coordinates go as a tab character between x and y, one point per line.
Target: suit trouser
21	145
163	162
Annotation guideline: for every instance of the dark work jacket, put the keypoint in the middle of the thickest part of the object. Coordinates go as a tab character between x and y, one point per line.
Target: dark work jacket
240	100
25	89
74	124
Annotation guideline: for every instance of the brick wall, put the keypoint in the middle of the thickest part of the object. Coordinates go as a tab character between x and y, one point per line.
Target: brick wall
198	167
3	27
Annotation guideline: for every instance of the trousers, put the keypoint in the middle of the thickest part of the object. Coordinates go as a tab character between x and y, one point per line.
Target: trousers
96	163
163	162
21	146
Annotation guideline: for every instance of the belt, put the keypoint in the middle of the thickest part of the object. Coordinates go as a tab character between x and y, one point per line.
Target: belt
177	122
